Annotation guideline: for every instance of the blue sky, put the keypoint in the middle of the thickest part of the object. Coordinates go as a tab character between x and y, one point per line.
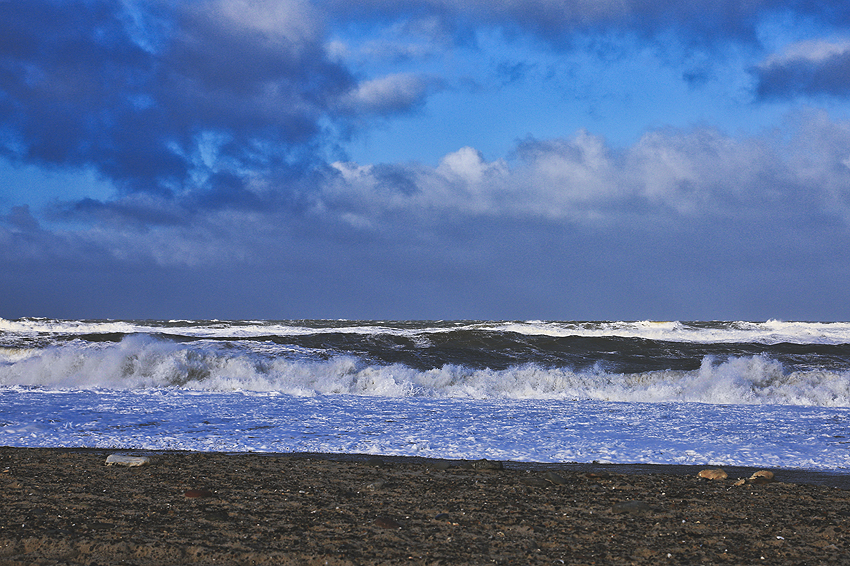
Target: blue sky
430	159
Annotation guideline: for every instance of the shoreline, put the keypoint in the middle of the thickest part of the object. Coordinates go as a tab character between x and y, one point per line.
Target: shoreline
65	506
829	478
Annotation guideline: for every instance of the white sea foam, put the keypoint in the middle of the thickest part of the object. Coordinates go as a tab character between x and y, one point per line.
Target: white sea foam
140	361
519	430
770	332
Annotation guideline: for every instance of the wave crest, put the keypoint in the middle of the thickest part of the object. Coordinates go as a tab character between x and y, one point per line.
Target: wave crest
142	361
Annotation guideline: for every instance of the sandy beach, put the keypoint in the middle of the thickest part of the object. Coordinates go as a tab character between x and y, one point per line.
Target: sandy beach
65	506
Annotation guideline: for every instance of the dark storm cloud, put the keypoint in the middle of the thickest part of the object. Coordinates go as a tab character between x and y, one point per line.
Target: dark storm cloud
20	218
139	209
808	68
173	97
68	76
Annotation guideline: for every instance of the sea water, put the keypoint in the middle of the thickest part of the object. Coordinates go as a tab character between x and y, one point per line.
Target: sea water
710	393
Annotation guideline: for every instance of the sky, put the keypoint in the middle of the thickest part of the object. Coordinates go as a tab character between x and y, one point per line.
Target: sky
425	159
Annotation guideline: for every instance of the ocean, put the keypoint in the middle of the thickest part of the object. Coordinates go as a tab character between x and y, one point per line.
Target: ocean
757	394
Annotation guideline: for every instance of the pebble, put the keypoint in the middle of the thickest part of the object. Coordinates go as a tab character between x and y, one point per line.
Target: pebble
715	474
554	478
195	493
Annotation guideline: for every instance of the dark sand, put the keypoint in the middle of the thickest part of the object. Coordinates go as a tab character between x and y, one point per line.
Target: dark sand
64	506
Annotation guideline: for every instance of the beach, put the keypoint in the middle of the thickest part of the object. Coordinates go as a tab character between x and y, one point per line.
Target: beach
66	506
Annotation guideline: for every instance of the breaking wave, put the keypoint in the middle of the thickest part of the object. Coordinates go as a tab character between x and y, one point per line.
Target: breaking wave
141	361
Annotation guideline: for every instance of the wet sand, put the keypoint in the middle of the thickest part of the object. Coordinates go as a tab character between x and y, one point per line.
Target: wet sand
64	506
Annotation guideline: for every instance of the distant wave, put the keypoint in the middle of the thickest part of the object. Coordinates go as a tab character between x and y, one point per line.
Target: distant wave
769	332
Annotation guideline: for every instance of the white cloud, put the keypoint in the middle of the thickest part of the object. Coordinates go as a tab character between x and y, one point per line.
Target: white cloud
337	51
813	51
295	22
468	166
697	172
679	175
567	171
389	94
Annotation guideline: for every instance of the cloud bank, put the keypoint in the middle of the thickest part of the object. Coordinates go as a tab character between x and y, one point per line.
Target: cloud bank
680	213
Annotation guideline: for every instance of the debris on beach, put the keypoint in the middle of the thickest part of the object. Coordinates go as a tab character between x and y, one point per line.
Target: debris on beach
762	476
129	461
714	474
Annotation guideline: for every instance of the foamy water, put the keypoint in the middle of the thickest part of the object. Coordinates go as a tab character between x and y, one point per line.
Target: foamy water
753	394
